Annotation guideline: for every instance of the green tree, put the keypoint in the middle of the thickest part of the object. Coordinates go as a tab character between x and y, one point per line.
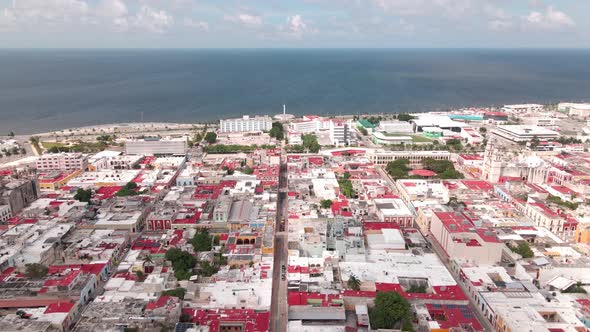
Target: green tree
523	249
198	138
354	283
176	292
130	189
83	195
202	241
185	318
566	204
450	174
277	131
374	119
207	269
363	131
310	142
326	204
140	275
535	142
483	130
391	311
247	170
36	270
398	169
346	188
182	262
405	117
11	134
211	137
417	289
182	274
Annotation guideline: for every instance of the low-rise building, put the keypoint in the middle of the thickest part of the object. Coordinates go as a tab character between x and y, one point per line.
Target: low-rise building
461	240
342	133
575	109
381	138
157	146
523	108
127	213
5	213
104	178
18	194
382	157
524	133
393	210
395	127
54	180
62	162
245	124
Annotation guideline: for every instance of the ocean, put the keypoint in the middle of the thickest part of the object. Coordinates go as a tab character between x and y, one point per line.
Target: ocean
42	90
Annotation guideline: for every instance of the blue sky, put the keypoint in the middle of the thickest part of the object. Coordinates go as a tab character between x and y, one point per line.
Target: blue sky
294	23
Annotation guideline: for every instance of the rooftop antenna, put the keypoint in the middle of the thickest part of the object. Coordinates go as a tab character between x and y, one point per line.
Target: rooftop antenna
142	116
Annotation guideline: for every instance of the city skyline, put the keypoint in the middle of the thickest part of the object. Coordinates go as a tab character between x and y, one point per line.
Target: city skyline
293	24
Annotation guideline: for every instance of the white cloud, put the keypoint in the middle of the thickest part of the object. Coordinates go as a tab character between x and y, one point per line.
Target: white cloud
149	19
189	22
450	8
500	25
33	13
42	11
495	12
296	26
112	8
551	19
7	20
247	20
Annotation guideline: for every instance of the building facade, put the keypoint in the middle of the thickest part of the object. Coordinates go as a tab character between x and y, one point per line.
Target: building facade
524	133
19	194
523	108
157	146
575	109
5	213
382	157
62	162
245	124
342	133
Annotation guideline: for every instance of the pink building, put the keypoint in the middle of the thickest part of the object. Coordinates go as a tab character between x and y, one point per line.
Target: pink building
461	240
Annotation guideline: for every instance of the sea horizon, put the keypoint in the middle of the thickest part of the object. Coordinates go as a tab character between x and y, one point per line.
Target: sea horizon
49	89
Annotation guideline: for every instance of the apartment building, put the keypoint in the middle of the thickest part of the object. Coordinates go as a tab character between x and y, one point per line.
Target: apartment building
61	162
382	157
342	133
156	146
245	124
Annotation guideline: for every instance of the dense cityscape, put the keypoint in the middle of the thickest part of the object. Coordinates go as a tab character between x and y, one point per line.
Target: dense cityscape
469	220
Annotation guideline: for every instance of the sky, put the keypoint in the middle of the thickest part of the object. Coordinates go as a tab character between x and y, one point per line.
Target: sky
294	23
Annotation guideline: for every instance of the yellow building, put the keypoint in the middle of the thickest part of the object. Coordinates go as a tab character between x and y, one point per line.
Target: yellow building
582	234
57	179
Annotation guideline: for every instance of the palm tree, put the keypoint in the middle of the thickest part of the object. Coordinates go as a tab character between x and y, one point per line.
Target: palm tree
354	283
148	263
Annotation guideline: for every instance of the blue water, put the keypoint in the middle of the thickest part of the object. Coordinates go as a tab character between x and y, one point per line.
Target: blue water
43	90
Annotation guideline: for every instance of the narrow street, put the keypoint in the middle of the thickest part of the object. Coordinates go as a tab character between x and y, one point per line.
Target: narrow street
476	310
279	309
443	257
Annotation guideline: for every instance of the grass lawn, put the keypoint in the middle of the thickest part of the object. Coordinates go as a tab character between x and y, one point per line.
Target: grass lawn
49	145
415	138
421	139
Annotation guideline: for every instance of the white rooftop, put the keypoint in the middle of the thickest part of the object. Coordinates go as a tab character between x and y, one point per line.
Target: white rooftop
387	267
